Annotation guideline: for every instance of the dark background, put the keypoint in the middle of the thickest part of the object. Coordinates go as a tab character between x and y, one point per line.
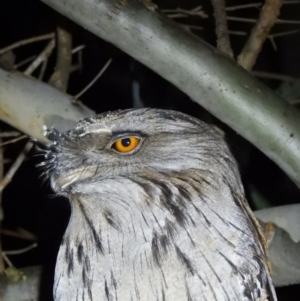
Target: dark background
29	204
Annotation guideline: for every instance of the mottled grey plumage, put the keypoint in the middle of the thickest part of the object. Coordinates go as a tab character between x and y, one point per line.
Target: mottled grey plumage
168	221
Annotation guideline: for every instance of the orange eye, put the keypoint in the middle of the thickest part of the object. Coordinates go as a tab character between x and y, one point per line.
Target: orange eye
126	145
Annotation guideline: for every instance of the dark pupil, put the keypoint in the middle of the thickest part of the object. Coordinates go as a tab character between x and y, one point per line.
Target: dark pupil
126	142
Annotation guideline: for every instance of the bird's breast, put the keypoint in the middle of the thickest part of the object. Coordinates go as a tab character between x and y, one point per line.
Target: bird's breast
151	256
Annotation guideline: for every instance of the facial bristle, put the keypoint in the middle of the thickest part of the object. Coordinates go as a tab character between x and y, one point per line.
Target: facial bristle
48	151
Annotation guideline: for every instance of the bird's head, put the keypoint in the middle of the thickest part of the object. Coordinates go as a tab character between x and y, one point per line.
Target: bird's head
123	143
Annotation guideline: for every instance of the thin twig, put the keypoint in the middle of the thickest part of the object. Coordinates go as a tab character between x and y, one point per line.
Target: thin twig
284	33
272	37
20	251
9	175
20	233
60	77
175	16
293	22
291	2
192	27
8	262
256	5
9	134
13	140
172	10
240	19
93	81
267	18
24	62
42	57
78	48
223	41
237	33
43	69
276	76
197	11
249	20
80	61
27	41
244	6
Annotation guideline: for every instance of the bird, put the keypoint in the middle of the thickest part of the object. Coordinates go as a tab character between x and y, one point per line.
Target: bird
158	212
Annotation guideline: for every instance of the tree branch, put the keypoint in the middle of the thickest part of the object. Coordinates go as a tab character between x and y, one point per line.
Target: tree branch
210	79
223	41
60	77
41	57
283	239
267	18
41	105
27	41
